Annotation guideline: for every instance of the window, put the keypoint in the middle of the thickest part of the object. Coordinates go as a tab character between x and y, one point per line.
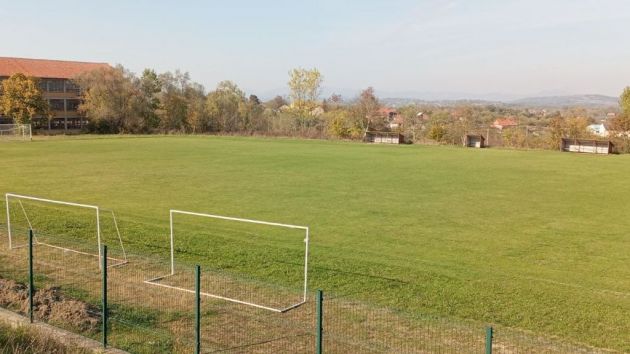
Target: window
74	123
55	85
56	105
72	105
39	123
72	87
57	123
43	85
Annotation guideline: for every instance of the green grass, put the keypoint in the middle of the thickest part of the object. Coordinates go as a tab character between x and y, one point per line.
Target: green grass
26	341
531	239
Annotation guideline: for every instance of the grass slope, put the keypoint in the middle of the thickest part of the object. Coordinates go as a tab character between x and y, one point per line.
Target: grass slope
530	239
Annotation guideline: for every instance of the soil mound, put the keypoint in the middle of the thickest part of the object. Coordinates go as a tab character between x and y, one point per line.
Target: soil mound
49	305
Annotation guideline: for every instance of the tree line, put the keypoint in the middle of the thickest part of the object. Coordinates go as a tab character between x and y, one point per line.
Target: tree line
116	100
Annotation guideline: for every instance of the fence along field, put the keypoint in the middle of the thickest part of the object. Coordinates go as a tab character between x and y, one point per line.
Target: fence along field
149	318
529	239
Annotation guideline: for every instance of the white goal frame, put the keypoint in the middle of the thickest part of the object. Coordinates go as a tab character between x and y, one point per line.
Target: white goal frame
16	130
97	211
172	212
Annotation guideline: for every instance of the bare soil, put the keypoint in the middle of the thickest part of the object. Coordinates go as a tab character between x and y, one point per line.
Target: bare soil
49	305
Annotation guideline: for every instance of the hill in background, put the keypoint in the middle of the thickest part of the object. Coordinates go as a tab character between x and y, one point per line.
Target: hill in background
593	101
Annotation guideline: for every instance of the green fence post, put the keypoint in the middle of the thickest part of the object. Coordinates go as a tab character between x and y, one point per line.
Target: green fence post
31	286
319	337
489	336
197	309
104	293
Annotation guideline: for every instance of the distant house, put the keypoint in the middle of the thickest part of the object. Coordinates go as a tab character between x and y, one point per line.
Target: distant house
504	123
589	146
475	141
611	115
392	118
598	129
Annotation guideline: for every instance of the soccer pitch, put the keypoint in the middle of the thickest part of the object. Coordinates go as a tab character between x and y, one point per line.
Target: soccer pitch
536	240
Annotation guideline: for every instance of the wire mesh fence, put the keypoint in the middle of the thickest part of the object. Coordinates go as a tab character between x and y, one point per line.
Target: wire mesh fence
151	310
353	326
512	341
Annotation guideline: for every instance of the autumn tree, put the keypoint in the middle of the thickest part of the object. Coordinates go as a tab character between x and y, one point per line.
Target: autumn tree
276	103
624	101
305	86
339	124
226	107
365	110
173	110
197	117
621	122
257	121
556	132
438	126
21	99
576	127
150	88
112	100
620	125
334	102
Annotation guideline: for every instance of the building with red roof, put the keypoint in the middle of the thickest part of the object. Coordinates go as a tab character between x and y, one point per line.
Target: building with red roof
392	118
504	123
55	81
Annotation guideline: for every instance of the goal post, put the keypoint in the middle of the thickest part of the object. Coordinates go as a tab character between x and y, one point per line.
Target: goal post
16	132
97	217
304	291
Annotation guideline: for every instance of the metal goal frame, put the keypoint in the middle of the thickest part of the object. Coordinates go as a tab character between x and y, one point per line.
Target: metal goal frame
25	131
97	211
172	212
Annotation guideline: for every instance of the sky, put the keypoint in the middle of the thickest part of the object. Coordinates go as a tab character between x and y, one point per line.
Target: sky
432	49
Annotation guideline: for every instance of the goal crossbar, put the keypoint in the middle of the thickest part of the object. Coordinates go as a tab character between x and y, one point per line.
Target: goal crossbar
172	212
97	210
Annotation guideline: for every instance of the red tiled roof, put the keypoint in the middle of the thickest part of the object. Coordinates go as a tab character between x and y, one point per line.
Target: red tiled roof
43	68
506	122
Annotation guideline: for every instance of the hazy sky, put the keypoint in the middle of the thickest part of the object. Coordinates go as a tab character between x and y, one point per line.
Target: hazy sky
423	47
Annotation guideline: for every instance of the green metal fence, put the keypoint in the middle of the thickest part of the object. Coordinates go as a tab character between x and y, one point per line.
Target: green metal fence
122	306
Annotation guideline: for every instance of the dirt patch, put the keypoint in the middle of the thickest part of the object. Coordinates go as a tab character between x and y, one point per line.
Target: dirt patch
49	305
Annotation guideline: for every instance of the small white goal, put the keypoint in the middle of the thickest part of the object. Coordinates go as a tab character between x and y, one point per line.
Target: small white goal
284	308
97	232
16	132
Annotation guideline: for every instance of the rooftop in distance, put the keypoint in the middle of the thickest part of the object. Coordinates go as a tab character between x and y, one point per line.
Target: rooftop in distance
44	68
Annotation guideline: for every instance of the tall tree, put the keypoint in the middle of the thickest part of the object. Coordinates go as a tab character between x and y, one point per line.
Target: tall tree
255	114
366	110
624	101
620	125
305	86
226	107
111	100
21	99
173	110
150	86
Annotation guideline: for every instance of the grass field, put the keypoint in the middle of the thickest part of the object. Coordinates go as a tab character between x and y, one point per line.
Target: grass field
536	240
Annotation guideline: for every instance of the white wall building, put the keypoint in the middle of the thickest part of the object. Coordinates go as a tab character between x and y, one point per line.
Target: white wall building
598	129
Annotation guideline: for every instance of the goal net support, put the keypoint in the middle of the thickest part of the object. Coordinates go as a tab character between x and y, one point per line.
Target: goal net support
97	217
304	291
16	132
